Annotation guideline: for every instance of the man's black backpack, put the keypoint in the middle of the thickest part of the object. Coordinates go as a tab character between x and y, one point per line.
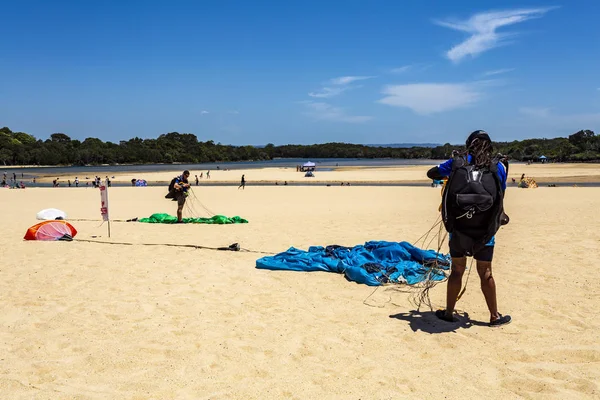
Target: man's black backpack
171	193
172	184
472	204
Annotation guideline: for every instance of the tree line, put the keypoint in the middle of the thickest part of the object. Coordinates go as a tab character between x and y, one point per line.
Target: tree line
20	148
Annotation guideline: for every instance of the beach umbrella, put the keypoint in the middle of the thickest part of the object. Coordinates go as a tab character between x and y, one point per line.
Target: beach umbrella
51	230
51	213
543	157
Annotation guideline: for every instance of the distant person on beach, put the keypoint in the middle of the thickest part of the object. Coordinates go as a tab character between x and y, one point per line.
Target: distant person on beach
522	177
242	183
471	230
201	175
178	191
76	182
69	182
208	174
197	181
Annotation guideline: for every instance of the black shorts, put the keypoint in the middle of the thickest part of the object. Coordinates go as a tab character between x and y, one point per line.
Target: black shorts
177	195
180	196
485	254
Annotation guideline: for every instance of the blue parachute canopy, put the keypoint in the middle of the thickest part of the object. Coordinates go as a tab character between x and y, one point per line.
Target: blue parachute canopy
374	263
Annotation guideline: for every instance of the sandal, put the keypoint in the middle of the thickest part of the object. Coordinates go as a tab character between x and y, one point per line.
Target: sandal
441	314
502	320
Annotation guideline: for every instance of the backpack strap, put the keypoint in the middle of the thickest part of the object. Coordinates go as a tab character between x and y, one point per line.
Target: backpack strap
457	162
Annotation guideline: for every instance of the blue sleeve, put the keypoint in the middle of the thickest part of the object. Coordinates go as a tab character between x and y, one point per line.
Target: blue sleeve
502	175
445	168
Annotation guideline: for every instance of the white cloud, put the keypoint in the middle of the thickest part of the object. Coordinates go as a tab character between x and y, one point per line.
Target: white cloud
345	80
538	112
498	71
204	112
429	98
337	86
328	92
483	26
401	70
325	111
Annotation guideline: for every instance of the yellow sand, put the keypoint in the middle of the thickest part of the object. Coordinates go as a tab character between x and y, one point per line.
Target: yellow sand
96	321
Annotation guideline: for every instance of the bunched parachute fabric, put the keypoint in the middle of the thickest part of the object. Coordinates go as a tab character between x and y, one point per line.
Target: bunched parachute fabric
375	263
51	213
51	230
216	219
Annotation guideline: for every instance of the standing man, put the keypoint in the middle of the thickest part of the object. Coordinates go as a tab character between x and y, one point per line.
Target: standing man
472	212
178	191
243	183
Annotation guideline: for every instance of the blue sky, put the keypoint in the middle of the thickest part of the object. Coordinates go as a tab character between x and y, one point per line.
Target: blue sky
253	72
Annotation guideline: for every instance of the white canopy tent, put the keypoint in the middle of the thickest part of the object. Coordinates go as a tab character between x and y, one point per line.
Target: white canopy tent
309	166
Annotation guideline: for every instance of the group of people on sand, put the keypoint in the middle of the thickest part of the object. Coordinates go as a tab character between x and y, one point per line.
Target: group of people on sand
202	176
12	181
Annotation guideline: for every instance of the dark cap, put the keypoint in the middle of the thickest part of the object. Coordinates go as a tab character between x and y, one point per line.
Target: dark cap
186	172
481	135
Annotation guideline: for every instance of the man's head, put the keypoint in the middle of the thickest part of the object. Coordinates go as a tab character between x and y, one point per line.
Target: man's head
186	174
479	135
479	146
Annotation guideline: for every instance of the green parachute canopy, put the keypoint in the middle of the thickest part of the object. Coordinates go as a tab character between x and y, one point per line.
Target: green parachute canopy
169	219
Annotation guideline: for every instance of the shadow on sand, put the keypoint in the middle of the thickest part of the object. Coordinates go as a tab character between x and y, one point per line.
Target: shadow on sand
426	321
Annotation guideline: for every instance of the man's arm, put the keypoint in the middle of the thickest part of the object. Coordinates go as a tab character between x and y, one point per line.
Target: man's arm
179	185
434	173
441	171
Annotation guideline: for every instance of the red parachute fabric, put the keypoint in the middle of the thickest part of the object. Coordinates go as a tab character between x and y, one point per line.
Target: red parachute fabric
50	230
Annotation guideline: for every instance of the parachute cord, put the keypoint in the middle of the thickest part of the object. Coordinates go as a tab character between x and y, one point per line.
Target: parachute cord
191	246
201	204
426	234
372	293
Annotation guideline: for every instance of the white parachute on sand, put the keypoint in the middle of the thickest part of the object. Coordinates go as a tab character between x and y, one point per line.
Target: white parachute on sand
51	213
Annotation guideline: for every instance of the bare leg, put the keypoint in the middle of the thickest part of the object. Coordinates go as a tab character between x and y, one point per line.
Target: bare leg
488	287
454	283
179	213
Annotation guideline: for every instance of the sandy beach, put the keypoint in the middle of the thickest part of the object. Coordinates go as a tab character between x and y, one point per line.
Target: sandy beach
555	173
82	320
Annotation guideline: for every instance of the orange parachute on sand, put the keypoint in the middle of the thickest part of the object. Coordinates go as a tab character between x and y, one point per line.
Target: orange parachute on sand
51	230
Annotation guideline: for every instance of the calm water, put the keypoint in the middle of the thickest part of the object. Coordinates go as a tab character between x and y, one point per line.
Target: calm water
323	164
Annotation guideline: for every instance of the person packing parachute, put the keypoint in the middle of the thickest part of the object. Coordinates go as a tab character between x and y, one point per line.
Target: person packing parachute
472	212
178	191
